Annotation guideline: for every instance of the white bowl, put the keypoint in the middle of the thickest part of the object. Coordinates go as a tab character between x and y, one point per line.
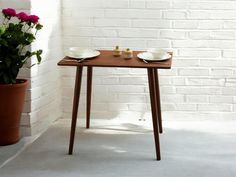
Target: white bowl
157	53
79	52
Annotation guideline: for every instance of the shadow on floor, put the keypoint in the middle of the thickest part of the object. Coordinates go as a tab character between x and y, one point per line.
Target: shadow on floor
127	151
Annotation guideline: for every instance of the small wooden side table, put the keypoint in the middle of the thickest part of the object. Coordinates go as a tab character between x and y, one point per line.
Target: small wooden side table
106	59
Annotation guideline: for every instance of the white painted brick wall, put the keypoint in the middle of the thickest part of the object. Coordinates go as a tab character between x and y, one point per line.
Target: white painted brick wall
201	34
46	77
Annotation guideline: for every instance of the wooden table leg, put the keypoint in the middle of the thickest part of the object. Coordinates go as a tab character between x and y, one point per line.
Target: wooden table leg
151	81
158	99
89	93
77	89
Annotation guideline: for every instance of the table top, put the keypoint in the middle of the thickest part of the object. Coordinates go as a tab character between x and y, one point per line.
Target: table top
106	59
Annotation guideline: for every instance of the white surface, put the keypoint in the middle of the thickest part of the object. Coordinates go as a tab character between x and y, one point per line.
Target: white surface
125	148
78	53
150	57
201	35
157	53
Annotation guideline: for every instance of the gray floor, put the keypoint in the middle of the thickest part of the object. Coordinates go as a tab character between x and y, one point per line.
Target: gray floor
125	149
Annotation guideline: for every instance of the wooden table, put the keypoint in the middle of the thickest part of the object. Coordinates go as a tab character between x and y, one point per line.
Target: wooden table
106	59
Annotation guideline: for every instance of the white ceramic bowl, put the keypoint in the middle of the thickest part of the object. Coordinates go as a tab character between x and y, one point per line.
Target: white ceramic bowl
157	53
79	52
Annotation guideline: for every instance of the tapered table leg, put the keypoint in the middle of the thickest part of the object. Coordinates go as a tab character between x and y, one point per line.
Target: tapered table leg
151	81
89	93
157	95
75	106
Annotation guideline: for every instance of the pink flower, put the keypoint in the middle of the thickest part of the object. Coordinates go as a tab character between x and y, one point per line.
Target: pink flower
9	12
33	18
22	16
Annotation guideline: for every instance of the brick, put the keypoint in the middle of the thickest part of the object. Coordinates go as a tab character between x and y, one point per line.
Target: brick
230	24
98	13
133	80
229	91
79	22
217	5
223	14
200	53
222	72
210	24
205	81
125	89
138	107
178	81
77	41
224	35
159	43
138	33
229	53
133	13
197	98
167	90
199	14
222	99
137	4
132	98
151	23
216	63
115	4
193	72
185	24
222	44
174	14
185	63
214	107
200	35
110	81
175	98
111	22
157	4
180	4
186	107
68	4
168	107
231	82
170	34
90	32
163	80
199	90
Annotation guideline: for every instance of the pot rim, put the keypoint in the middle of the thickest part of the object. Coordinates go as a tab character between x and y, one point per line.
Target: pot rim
20	84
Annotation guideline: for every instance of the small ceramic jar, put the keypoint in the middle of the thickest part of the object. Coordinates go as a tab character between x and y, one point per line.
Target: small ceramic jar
117	52
128	54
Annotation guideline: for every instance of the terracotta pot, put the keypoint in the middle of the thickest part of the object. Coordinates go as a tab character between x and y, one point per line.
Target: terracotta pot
12	98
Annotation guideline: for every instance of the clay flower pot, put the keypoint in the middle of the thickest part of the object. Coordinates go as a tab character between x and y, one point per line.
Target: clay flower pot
12	98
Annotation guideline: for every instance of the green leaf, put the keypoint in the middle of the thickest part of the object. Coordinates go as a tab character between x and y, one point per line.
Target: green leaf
38	55
39	26
2	30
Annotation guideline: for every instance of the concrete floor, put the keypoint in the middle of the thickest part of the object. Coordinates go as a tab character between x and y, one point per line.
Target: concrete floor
126	149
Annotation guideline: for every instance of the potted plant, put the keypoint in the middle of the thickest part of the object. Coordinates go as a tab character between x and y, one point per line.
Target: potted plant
17	32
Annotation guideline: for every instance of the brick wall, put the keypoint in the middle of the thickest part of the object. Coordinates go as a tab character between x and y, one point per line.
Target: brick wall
202	34
43	98
45	89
